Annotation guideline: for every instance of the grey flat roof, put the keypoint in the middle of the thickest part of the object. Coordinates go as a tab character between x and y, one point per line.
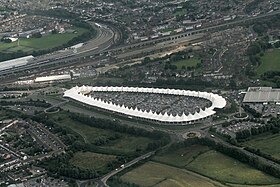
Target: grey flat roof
15	62
262	95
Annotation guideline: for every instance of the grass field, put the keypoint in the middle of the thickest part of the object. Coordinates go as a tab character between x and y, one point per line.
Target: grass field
268	144
129	144
270	62
89	160
126	143
223	168
192	62
46	42
240	185
181	157
207	162
267	83
160	175
79	108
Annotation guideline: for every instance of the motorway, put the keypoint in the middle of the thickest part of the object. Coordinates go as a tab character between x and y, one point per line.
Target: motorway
104	39
102	42
56	105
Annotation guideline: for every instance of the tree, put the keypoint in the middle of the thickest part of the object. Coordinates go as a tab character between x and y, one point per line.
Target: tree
6	40
146	60
253	49
54	31
37	35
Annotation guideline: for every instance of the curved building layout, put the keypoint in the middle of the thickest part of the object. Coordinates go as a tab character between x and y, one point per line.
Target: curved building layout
82	94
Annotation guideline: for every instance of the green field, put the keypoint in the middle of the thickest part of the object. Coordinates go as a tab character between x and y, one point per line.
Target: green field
267	83
212	164
129	144
166	30
46	42
223	168
160	175
181	157
268	144
125	143
270	62
89	160
192	62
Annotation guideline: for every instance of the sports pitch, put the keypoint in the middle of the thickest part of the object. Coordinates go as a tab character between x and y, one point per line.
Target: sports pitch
270	62
45	42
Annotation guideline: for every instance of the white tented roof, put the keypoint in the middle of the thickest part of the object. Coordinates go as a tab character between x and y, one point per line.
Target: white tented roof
15	62
76	93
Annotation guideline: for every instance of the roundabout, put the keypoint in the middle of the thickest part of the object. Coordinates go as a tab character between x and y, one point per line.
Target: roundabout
240	116
191	134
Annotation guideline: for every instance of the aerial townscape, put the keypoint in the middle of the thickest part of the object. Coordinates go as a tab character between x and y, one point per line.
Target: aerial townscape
139	93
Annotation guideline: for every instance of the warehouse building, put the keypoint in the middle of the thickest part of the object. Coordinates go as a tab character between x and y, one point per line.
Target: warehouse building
262	95
53	78
9	64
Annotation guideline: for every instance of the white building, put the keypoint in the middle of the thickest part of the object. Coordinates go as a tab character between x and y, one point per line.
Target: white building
15	62
53	78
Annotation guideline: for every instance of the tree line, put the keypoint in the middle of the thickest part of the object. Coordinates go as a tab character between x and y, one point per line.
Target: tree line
58	166
36	103
253	131
116	126
251	111
160	138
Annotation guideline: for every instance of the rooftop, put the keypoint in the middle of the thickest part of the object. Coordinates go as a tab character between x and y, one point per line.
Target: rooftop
15	62
262	95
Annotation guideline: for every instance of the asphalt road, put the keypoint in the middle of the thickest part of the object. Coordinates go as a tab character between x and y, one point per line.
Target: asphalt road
56	105
102	182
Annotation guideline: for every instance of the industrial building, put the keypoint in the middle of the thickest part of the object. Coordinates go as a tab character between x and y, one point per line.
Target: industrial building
9	64
263	95
53	78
